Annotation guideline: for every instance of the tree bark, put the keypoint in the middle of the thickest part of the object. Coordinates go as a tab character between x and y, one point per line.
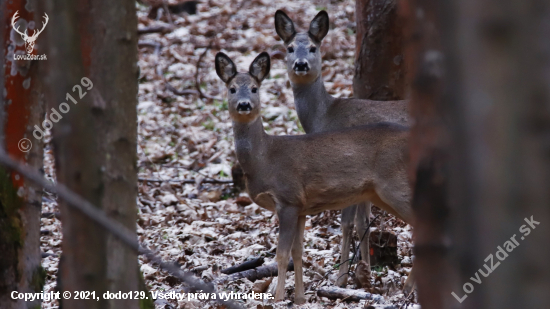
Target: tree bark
379	65
21	108
501	162
95	142
429	150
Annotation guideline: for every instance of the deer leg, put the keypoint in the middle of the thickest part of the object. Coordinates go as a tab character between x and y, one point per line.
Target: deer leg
361	223
297	249
409	285
348	214
396	200
288	226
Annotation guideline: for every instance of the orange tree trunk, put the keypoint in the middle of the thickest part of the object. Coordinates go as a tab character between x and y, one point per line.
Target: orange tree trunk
21	109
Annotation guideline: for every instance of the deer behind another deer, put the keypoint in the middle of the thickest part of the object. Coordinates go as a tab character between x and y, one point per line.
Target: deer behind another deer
301	175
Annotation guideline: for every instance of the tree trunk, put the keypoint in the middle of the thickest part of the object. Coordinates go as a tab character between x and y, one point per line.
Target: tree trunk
501	166
379	66
429	150
20	204
95	142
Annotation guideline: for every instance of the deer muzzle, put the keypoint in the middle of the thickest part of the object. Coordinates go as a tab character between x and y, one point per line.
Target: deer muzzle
244	107
301	67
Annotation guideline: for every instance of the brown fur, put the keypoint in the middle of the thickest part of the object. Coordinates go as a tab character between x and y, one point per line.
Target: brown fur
300	175
318	111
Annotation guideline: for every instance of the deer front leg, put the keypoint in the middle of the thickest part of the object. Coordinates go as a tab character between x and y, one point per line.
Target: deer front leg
348	214
361	223
288	226
297	251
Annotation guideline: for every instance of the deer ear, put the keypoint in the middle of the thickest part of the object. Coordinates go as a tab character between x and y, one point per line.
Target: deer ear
318	27
259	68
225	68
284	26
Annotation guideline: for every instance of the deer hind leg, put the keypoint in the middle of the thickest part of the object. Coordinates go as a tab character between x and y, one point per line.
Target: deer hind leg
409	285
361	223
348	214
297	251
288	227
397	201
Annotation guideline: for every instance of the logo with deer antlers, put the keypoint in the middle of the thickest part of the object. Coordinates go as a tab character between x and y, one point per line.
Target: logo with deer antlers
29	40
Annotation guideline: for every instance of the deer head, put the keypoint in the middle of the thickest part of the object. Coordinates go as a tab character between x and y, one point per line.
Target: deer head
303	55
29	40
243	96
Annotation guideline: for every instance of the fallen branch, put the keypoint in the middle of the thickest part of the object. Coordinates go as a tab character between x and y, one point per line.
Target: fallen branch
186	180
347	294
394	307
147	43
269	270
114	227
50	215
244	266
155	29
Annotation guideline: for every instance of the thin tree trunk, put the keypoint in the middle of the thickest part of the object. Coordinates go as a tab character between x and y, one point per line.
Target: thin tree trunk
21	108
95	143
379	65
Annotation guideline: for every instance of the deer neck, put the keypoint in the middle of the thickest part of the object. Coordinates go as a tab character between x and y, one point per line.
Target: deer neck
312	102
250	144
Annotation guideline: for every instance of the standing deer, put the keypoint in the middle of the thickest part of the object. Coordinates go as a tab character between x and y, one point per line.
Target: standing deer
301	175
318	111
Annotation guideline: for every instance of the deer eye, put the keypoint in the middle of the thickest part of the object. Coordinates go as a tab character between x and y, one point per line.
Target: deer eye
290	49
313	49
232	90
254	90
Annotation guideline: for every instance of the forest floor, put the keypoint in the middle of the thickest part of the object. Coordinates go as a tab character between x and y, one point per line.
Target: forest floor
208	226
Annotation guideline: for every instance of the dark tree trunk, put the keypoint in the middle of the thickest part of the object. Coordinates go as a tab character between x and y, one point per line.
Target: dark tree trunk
501	162
494	111
379	65
429	150
95	143
21	108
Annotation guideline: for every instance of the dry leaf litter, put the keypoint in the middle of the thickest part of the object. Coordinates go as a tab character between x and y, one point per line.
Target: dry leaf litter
200	225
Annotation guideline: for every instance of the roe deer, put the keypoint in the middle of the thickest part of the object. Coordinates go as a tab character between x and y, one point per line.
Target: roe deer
302	175
318	111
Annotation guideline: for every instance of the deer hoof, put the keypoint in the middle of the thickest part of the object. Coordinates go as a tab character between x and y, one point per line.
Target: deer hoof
300	300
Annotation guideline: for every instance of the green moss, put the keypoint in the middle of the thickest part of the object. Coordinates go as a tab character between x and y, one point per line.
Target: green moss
38	279
145	303
11	235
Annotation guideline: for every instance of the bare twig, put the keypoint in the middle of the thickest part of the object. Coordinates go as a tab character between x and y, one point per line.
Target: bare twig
197	81
114	227
186	180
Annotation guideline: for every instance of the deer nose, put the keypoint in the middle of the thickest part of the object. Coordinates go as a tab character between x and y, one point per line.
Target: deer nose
244	107
301	65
